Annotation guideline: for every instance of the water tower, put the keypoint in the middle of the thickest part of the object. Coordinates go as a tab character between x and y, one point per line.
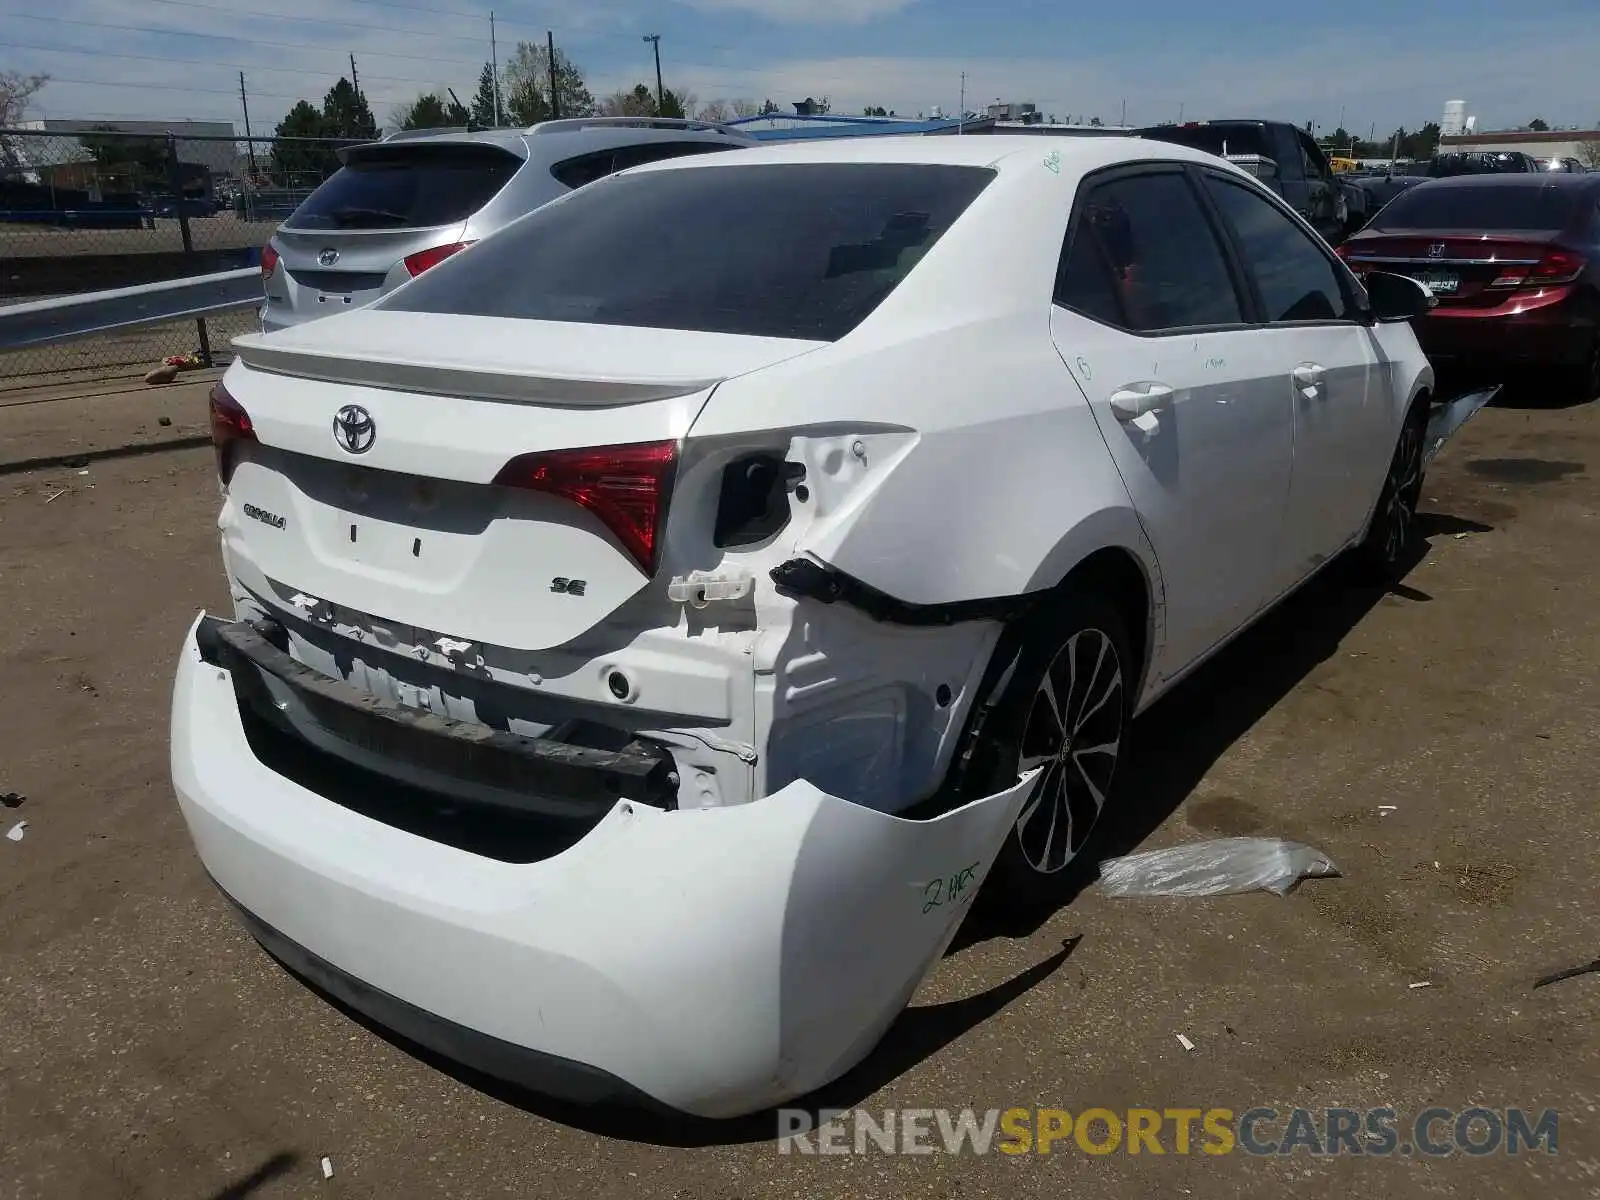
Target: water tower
1455	119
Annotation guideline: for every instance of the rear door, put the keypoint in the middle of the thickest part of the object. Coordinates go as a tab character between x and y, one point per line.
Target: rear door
1341	407
1152	319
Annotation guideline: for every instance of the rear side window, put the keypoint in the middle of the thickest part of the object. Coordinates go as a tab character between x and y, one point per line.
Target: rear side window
409	186
1296	280
1492	207
1143	256
800	250
586	168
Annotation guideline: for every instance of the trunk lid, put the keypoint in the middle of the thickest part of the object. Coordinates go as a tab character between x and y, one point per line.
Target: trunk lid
354	262
442	472
1477	270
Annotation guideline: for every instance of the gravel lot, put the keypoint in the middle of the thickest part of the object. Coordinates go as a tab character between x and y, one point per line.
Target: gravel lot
150	1049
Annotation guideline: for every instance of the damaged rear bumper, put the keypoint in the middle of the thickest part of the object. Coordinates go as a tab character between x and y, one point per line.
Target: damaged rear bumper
715	961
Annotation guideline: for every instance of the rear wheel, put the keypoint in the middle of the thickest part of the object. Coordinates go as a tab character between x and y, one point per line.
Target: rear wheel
1382	552
1065	712
1584	379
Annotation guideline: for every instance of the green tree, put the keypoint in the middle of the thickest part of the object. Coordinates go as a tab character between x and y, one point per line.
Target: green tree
145	161
874	110
526	103
670	105
528	74
301	161
768	107
483	113
1539	125
347	114
430	111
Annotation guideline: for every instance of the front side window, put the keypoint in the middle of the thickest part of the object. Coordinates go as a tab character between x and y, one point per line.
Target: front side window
1143	256
1296	280
792	250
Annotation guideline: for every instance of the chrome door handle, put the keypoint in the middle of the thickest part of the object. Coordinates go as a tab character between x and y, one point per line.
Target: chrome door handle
1134	401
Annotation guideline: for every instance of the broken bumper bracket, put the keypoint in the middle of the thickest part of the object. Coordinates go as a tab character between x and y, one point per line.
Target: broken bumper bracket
509	762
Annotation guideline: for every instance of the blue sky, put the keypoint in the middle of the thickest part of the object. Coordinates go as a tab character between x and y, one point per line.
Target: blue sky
1379	62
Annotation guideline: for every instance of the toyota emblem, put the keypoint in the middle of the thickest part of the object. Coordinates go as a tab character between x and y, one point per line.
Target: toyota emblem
354	429
328	257
1436	250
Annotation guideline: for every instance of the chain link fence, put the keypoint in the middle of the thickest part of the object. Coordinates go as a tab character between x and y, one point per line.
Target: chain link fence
102	208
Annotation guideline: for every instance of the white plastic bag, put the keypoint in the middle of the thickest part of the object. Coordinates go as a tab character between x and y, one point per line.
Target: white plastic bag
1215	868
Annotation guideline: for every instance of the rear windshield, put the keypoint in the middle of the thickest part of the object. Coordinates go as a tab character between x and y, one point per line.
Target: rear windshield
794	250
1220	140
1536	207
407	187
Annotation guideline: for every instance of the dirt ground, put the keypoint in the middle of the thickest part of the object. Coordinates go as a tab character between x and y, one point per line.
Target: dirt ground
148	1048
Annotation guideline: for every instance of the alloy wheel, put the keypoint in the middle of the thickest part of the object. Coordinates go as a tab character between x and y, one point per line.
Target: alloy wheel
1404	484
1074	733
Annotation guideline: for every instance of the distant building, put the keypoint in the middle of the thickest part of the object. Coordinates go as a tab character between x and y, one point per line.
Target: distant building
1553	143
216	156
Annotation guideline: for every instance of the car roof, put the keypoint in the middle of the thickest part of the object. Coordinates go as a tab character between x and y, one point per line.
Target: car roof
567	137
1515	179
998	151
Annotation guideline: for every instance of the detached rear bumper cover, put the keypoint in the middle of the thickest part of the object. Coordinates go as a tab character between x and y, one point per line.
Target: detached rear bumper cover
718	961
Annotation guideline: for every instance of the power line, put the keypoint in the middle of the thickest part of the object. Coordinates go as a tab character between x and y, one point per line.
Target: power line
146	85
208	62
254	41
365	27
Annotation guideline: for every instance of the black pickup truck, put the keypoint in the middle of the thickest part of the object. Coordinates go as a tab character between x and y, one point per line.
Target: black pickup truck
1286	159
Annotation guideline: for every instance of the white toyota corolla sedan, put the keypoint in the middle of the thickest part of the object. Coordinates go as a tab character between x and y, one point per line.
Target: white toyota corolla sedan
652	624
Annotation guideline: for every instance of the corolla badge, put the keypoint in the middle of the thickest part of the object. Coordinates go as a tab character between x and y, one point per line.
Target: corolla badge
328	257
353	429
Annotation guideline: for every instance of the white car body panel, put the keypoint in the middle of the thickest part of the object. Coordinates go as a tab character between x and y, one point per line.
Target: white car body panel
768	946
959	455
1208	461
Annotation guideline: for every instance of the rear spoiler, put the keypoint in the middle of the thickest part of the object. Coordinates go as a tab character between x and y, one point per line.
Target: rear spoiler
442	377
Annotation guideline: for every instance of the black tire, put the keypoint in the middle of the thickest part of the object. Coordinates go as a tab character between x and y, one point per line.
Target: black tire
1079	646
1583	381
1382	553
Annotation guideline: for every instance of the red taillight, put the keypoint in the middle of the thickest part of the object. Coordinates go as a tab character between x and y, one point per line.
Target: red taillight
269	261
230	425
432	257
626	487
1554	268
1558	266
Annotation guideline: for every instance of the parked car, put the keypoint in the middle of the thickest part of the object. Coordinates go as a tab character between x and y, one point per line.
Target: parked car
650	627
1287	159
1379	188
1571	166
1450	164
1515	263
399	206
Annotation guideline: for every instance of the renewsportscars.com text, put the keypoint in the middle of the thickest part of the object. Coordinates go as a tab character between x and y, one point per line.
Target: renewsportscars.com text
1372	1132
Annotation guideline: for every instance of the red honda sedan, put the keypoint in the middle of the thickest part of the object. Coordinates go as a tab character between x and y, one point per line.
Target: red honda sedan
1514	262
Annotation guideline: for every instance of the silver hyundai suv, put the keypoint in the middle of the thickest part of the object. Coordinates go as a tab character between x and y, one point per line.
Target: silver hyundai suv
398	206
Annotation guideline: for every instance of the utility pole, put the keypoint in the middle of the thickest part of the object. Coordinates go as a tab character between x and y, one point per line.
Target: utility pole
655	40
494	66
355	85
1124	112
250	147
550	52
962	115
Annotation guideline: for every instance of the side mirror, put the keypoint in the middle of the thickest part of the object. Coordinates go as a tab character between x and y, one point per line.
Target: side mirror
1397	297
